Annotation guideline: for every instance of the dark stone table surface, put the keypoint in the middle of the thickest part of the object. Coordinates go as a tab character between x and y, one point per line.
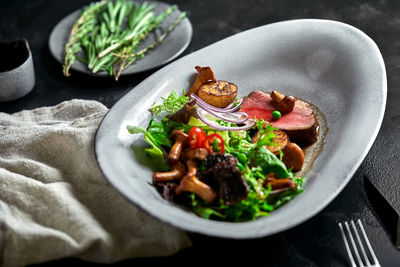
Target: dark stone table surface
316	242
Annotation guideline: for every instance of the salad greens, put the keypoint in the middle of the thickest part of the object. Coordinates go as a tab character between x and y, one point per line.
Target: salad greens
157	135
153	135
255	162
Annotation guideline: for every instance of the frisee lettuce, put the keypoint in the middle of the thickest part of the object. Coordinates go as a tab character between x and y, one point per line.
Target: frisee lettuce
171	104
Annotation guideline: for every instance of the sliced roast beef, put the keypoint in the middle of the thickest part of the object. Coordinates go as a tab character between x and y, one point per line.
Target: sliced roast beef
300	124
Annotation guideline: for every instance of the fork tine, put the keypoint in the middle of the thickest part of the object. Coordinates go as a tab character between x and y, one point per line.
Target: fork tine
371	251
346	244
360	243
360	263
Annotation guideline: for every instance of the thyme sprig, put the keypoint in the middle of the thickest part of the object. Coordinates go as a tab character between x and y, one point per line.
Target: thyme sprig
83	26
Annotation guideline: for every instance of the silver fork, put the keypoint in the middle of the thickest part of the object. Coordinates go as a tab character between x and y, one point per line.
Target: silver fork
369	256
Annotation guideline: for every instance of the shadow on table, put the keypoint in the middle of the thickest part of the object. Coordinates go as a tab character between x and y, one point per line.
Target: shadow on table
81	80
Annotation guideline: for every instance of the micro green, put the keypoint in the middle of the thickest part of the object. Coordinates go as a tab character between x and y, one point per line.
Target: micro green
172	103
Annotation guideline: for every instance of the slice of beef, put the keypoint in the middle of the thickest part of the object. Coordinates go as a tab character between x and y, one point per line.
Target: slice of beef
300	124
223	175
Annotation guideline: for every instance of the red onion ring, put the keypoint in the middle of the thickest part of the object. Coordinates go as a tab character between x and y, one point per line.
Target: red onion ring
232	105
235	117
248	123
207	106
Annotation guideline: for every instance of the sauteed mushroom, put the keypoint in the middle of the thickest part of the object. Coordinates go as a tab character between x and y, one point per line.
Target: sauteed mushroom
180	139
293	157
285	104
190	183
177	172
195	153
276	183
204	74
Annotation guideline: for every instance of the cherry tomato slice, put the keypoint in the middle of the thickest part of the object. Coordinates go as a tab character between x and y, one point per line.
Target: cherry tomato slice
196	137
210	139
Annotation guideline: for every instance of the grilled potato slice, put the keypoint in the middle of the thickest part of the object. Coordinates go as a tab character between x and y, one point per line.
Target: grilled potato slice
281	139
219	94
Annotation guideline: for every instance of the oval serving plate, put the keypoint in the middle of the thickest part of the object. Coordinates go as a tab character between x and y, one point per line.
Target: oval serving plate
330	64
172	46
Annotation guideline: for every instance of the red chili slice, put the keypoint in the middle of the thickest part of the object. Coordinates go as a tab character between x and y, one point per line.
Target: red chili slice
210	139
196	137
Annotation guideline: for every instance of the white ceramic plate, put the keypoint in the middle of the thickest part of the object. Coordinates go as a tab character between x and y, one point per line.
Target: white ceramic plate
330	64
173	45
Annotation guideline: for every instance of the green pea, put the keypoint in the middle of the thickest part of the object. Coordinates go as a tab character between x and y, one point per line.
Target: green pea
240	166
234	143
276	114
242	158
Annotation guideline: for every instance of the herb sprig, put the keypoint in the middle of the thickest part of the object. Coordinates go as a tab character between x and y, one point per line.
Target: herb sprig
110	32
82	27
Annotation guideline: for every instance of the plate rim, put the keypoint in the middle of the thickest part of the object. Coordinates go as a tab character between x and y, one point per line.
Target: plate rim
327	200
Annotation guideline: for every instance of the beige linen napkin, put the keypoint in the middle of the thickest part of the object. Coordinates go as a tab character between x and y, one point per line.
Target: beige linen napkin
54	201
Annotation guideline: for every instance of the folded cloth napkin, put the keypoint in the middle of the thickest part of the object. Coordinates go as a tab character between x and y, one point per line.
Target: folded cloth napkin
54	201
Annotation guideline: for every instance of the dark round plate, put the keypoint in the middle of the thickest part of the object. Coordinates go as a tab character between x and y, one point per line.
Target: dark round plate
173	45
